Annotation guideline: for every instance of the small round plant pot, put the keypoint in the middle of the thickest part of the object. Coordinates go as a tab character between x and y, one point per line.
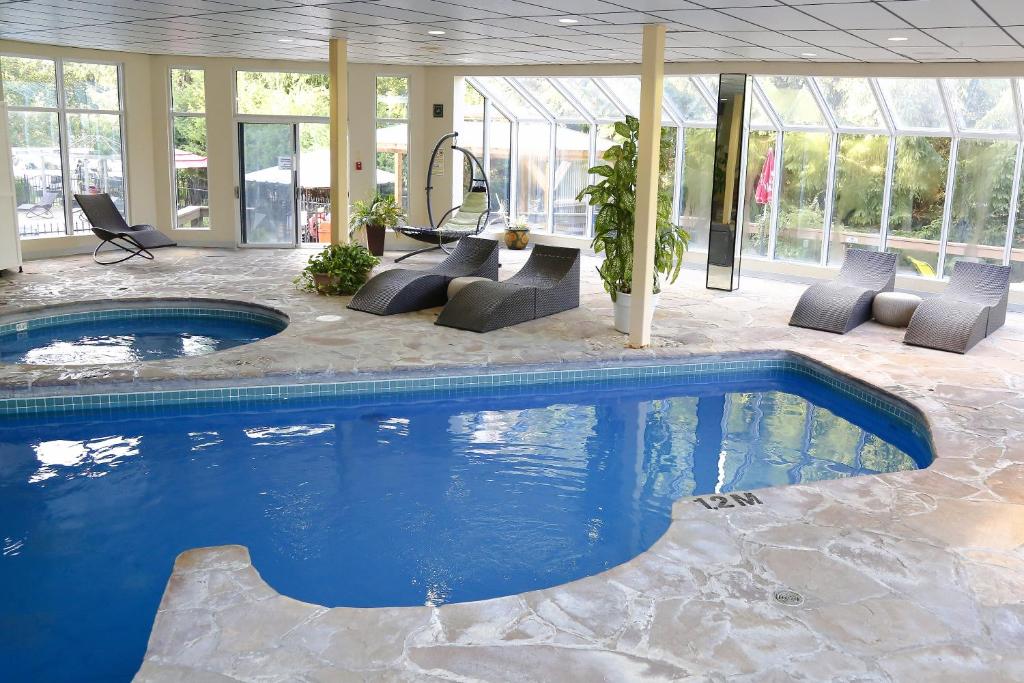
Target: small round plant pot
622	311
325	282
517	238
375	239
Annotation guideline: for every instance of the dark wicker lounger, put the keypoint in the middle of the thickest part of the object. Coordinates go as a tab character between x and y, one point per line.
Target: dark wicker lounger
971	308
400	290
843	304
548	283
109	225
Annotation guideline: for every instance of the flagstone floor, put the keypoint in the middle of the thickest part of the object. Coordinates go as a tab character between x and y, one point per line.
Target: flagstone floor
912	576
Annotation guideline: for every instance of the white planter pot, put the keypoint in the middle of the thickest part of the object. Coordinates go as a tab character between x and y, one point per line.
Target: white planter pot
622	311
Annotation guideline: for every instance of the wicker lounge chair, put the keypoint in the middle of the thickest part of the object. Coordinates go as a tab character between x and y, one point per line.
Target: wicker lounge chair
843	304
401	290
548	283
971	308
109	225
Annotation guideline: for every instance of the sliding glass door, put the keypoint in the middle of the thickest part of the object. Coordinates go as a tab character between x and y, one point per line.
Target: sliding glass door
267	188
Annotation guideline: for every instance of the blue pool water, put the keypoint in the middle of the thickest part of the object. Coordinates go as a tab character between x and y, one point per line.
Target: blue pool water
407	500
131	339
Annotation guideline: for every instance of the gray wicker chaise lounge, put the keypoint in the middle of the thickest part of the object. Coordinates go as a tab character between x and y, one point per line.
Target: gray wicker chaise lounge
401	290
971	308
548	283
843	304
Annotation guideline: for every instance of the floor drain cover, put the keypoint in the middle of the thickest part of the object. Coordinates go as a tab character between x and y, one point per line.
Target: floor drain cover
788	598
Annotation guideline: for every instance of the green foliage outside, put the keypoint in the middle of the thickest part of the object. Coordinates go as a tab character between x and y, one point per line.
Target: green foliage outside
614	195
348	265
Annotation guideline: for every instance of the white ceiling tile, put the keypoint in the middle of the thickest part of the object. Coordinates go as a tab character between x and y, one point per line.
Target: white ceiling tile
914	38
779	18
707	20
1005	12
855	15
939	13
971	37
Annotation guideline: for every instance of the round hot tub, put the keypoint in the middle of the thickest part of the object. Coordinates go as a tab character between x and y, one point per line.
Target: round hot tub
106	332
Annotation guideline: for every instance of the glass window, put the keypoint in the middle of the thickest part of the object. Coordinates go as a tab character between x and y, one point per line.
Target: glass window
792	100
915	103
591	97
759	192
94	156
392	167
802	196
38	175
572	160
534	159
918	199
852	102
688	101
270	93
983	104
627	91
188	127
1017	245
499	157
981	202
44	134
188	91
695	192
29	82
758	116
859	186
515	103
547	95
91	86
471	132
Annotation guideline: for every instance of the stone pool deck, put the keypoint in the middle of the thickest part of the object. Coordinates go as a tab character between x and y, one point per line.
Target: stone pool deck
911	576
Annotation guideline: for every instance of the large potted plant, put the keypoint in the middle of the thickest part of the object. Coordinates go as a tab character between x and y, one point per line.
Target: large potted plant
374	218
614	196
338	269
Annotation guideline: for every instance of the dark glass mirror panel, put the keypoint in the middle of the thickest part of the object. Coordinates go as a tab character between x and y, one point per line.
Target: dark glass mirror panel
724	240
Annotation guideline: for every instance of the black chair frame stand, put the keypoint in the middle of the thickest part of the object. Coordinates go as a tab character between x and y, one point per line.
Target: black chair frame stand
436	235
110	227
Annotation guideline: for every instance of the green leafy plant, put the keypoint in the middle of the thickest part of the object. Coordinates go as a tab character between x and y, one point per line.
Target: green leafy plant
381	211
343	267
614	195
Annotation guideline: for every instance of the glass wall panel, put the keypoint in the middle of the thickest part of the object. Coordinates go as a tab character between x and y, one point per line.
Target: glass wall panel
553	101
918	199
314	182
283	94
189	163
851	101
591	98
915	103
627	91
392	161
1017	244
38	179
684	97
983	104
801	220
499	150
792	100
859	186
533	163
572	159
758	116
91	86
94	154
188	91
695	192
982	185
471	132
759	192
29	82
515	103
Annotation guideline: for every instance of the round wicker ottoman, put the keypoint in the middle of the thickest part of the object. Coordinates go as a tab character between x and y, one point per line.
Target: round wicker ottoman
894	308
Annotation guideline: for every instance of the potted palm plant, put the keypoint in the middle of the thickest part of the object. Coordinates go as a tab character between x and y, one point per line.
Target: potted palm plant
374	218
614	196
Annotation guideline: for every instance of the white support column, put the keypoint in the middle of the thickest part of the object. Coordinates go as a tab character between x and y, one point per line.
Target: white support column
338	56
652	74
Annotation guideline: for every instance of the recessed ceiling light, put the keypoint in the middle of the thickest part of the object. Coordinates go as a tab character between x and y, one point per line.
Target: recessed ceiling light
437	32
568	20
809	54
285	40
898	39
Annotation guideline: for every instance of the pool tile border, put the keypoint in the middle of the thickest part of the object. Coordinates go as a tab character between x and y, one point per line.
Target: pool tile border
30	324
693	372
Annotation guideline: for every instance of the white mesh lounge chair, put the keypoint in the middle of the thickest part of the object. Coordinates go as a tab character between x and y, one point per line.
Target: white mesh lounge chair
971	308
44	209
843	304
